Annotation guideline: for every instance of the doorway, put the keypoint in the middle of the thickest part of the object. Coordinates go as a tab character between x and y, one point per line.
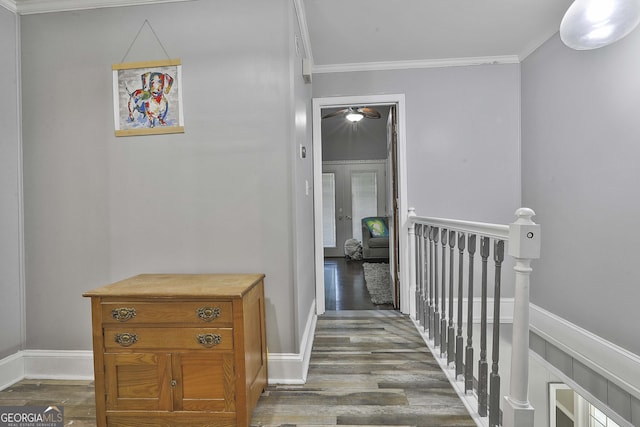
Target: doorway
351	190
366	172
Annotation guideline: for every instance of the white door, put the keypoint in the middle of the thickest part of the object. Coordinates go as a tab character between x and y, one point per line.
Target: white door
350	192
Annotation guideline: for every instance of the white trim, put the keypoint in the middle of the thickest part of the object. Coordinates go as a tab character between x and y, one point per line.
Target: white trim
22	287
286	368
10	5
553	403
304	29
58	364
27	7
338	101
11	370
403	208
609	360
426	63
498	231
506	310
292	368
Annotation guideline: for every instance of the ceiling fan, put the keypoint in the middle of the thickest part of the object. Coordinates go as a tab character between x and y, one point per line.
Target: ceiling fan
355	114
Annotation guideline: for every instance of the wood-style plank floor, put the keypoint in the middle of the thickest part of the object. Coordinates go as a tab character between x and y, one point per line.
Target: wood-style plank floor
368	367
77	398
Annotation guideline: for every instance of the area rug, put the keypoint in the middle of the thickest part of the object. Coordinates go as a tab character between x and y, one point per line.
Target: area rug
377	277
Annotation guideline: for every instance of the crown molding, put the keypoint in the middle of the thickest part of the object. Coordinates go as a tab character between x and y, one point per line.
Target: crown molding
428	63
304	29
9	5
29	7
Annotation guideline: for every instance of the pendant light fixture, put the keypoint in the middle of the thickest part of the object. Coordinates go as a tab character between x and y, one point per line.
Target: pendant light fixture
590	24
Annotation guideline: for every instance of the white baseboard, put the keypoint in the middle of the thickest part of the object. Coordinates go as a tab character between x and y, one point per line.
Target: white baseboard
506	309
291	368
609	360
11	370
283	368
58	364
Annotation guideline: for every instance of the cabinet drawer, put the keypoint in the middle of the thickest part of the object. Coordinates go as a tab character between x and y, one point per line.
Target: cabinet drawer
219	313
208	339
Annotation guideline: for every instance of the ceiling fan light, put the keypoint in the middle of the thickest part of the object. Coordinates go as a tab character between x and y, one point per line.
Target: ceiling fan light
590	24
354	116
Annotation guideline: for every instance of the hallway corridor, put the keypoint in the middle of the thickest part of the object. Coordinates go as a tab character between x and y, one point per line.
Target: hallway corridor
367	368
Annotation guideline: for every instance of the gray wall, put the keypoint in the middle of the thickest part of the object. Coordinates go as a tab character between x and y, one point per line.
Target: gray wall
304	255
217	198
365	140
462	133
462	139
580	135
11	317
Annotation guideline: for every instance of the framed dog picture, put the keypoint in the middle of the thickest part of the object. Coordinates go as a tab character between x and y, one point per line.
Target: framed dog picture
147	98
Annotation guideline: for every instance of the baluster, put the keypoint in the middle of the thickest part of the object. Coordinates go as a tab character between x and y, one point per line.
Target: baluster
436	312
459	339
451	342
483	366
494	405
425	246
420	274
468	366
443	299
417	255
431	293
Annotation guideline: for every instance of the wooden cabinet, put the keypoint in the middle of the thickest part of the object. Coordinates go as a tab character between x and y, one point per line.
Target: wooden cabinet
179	350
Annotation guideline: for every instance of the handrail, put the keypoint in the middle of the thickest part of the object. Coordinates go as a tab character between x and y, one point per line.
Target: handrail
497	231
429	237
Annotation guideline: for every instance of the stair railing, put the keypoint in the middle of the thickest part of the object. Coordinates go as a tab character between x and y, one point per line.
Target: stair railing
433	243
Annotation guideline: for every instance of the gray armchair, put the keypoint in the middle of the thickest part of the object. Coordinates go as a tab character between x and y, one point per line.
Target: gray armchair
375	245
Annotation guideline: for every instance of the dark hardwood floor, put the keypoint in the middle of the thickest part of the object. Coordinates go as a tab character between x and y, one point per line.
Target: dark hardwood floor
344	286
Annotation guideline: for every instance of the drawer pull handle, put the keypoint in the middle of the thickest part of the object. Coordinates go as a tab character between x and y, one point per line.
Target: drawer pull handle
126	339
209	340
123	314
208	313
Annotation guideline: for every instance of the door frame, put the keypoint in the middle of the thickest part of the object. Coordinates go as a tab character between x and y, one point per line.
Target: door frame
343	101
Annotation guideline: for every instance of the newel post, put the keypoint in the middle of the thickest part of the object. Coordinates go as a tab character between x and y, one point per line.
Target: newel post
413	310
524	245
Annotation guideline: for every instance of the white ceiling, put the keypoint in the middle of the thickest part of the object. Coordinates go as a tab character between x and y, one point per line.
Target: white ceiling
376	33
383	34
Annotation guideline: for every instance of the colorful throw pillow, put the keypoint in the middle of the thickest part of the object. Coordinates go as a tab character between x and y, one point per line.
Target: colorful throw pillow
377	227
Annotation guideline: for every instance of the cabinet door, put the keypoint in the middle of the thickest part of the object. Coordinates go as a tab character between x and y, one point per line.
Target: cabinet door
205	381
138	381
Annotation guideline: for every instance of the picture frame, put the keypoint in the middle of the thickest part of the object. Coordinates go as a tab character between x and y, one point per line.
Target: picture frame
147	98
